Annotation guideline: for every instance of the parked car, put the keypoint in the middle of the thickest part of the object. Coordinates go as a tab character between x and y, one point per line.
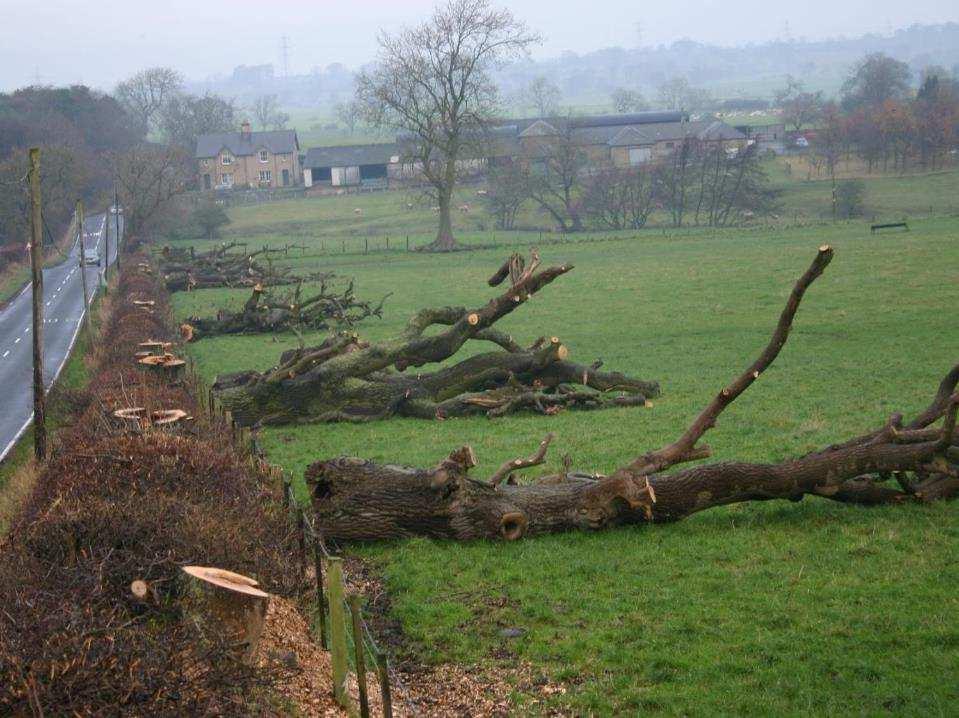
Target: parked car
116	210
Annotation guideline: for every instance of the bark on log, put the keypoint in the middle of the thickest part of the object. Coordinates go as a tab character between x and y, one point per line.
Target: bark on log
346	379
360	500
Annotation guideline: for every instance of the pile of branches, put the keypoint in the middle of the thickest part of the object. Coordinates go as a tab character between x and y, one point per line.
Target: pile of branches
113	507
185	269
900	462
348	379
267	311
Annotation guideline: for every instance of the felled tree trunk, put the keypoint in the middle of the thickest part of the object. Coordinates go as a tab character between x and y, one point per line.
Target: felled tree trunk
264	313
185	270
361	500
346	379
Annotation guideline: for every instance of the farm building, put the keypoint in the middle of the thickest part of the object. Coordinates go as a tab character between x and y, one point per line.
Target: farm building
620	140
350	165
767	137
248	159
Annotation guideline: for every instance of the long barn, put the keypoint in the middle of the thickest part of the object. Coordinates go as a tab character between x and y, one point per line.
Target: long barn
349	166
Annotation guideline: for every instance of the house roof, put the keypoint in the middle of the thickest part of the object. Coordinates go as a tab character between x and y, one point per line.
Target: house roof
650	133
277	142
351	155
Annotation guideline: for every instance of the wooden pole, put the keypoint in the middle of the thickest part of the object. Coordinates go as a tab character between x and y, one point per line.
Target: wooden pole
116	206
360	660
320	596
85	315
36	268
383	672
337	630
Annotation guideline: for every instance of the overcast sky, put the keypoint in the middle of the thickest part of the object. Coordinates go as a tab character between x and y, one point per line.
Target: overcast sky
101	41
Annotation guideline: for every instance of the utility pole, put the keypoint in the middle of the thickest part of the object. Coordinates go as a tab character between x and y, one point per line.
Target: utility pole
116	206
85	316
36	268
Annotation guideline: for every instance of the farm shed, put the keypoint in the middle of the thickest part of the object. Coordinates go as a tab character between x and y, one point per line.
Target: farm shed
350	165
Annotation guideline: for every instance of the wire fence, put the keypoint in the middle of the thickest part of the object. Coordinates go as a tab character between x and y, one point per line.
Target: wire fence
341	626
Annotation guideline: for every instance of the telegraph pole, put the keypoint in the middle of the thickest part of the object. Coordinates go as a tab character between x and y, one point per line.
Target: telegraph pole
36	268
116	206
85	316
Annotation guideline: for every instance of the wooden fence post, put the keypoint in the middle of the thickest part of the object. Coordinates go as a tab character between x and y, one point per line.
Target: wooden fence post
320	597
301	539
337	630
383	672
360	661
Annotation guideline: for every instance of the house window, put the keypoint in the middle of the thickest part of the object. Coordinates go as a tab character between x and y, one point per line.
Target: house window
264	156
226	179
639	155
266	176
227	160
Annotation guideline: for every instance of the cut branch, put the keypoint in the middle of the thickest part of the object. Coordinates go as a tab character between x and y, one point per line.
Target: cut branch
360	500
346	379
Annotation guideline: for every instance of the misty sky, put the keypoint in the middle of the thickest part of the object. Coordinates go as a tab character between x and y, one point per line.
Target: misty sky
101	41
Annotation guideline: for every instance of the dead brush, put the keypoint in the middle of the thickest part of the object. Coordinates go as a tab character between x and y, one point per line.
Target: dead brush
112	507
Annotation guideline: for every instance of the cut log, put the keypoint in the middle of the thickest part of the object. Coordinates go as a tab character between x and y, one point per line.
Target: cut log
229	605
346	379
361	500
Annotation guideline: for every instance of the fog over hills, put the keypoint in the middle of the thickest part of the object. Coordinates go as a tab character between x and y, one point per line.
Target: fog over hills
747	71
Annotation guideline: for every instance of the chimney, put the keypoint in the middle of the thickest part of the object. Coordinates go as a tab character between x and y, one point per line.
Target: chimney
245	131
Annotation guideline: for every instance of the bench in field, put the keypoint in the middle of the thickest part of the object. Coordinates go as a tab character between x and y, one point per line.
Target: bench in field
889	225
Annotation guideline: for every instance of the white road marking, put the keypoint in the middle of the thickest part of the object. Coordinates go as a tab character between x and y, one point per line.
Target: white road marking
17	340
6	353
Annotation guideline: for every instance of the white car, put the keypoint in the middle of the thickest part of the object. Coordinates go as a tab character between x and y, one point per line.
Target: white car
91	258
116	210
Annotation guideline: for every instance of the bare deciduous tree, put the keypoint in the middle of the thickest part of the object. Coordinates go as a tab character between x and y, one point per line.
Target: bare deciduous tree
146	93
150	176
508	191
543	95
432	83
266	111
677	94
625	101
184	117
348	113
556	165
619	197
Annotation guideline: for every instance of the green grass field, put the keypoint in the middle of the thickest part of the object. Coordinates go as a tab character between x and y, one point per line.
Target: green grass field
328	225
772	609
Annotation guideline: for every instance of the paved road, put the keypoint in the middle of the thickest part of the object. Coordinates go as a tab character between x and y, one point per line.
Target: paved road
63	309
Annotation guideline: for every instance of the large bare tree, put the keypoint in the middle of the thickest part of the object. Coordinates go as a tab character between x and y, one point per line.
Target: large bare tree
432	84
149	177
145	94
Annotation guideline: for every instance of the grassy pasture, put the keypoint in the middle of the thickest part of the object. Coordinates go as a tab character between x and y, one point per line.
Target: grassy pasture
770	609
330	224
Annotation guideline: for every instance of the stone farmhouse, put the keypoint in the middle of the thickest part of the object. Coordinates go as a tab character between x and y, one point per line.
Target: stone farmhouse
247	159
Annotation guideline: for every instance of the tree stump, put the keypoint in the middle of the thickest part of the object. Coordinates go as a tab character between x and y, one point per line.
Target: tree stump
155	346
228	605
166	364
